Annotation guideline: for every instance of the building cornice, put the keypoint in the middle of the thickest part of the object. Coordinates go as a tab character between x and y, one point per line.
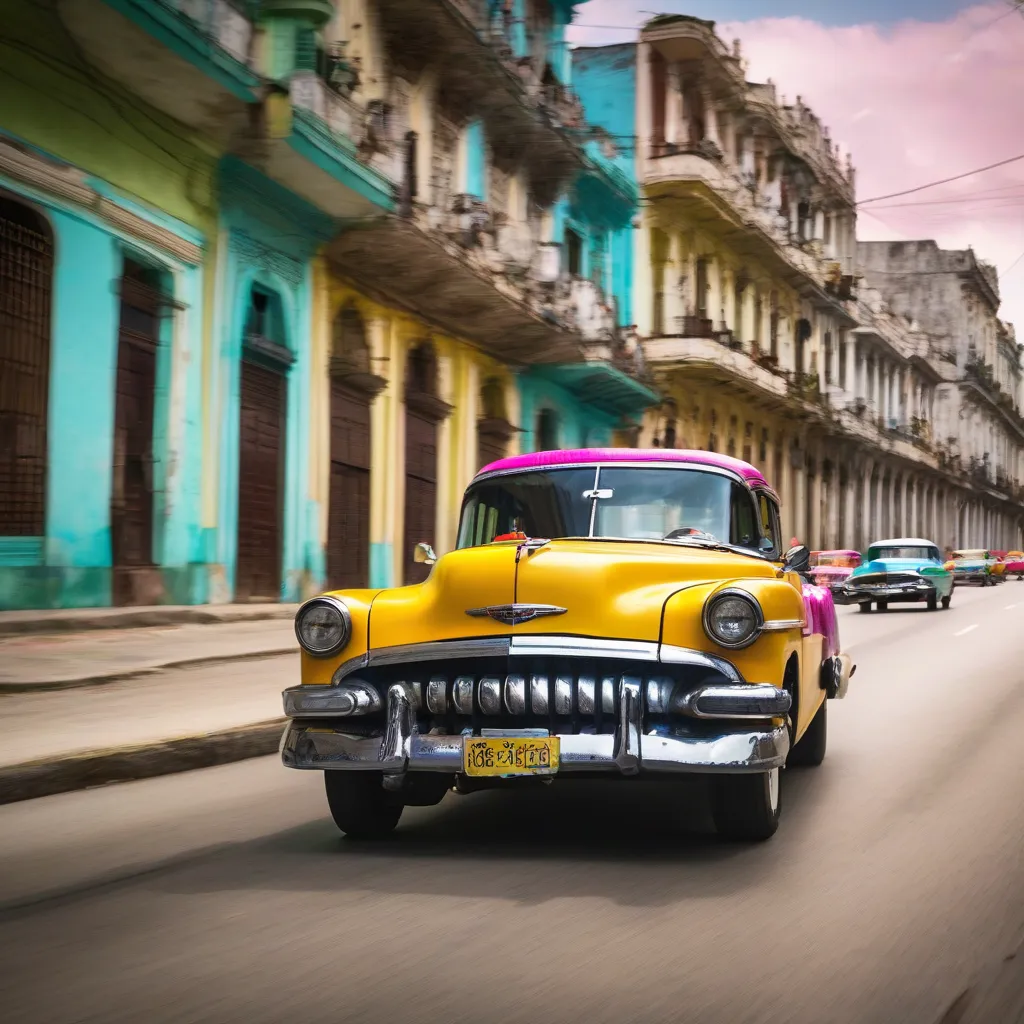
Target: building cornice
69	184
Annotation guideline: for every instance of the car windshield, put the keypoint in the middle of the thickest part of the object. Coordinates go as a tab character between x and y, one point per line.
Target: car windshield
637	503
917	552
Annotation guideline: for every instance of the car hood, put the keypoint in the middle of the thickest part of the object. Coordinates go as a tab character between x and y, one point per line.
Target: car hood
608	589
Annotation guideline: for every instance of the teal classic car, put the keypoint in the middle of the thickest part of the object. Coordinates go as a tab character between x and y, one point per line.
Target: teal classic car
902	570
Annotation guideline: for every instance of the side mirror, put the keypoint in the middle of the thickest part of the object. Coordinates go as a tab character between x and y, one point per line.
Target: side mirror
424	554
797	559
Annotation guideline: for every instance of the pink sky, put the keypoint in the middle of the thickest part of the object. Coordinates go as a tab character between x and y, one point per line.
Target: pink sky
914	103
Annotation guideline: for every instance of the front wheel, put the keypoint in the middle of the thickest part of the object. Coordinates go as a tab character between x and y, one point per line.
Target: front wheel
864	606
360	805
933	602
809	751
946	600
883	606
746	808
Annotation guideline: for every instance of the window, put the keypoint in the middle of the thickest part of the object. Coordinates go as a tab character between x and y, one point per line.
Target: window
573	253
547	430
896	551
769	516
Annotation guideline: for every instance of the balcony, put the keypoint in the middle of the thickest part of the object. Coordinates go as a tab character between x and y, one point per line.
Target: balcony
329	140
474	274
478	75
192	59
695	184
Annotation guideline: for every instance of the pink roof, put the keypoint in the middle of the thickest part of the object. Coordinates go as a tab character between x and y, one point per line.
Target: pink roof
575	456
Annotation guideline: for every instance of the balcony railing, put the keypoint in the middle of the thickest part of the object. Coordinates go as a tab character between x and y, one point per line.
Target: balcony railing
227	23
698	166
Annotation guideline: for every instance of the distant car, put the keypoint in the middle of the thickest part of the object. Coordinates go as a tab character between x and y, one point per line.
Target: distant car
902	570
974	566
1015	564
831	569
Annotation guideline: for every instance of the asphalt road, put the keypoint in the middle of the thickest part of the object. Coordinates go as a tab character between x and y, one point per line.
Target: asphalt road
893	892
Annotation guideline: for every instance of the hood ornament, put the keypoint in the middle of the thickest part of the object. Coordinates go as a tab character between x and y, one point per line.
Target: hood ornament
514	614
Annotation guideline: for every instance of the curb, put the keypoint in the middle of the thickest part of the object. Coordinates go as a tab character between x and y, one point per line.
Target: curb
43	622
51	685
90	768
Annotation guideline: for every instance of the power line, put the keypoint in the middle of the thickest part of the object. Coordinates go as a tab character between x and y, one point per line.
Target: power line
943	181
953	202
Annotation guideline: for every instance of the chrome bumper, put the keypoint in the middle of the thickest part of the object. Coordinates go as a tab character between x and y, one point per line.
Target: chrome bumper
629	751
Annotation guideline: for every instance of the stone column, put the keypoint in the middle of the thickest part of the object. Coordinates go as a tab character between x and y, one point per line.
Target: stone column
814	530
674	270
673	105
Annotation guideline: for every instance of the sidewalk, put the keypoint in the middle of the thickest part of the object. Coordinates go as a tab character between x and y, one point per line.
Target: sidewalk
48	661
86	708
53	742
62	620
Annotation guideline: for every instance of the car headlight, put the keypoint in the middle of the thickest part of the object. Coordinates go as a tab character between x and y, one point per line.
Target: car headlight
732	618
323	626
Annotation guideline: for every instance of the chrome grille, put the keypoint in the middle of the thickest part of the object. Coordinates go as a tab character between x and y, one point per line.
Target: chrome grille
549	693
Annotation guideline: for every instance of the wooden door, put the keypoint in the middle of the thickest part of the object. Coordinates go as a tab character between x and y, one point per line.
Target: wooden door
420	489
348	523
260	483
131	507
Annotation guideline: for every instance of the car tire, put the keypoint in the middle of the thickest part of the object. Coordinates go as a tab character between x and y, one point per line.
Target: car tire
746	808
933	603
883	606
360	806
809	752
946	600
864	606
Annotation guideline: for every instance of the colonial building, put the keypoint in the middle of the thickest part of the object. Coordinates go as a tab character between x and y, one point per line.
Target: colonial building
977	425
745	296
278	278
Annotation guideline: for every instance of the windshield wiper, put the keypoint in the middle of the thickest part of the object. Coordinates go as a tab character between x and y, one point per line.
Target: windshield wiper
709	545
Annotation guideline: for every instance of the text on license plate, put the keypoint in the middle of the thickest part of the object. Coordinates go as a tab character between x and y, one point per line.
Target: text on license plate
510	755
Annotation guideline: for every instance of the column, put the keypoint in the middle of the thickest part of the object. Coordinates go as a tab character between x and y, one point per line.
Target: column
642	288
867	515
815	526
850	538
674	271
673	105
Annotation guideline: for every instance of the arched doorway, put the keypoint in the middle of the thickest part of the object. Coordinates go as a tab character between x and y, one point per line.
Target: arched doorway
263	401
493	428
26	285
424	410
132	490
353	389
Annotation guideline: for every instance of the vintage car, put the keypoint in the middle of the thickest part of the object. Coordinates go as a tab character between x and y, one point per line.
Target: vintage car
905	569
832	568
1015	564
974	566
618	611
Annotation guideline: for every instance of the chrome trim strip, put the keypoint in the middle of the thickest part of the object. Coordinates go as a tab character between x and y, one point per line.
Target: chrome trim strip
555	645
686	656
779	625
583	647
346	618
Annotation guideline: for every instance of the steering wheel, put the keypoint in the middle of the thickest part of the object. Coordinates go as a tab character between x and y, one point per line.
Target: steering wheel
687	531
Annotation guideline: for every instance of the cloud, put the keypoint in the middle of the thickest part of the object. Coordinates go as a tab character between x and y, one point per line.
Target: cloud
914	102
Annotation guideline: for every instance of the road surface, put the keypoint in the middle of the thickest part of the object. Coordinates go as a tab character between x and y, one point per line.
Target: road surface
893	892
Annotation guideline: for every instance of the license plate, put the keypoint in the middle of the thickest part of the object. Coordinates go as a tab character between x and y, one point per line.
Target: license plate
510	755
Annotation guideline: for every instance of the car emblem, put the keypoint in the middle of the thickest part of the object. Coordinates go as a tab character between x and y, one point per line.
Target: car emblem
514	614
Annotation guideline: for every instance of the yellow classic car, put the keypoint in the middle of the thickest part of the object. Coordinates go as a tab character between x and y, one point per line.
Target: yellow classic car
618	611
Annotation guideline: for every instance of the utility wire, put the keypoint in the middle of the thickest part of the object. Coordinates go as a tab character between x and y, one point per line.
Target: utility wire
943	181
